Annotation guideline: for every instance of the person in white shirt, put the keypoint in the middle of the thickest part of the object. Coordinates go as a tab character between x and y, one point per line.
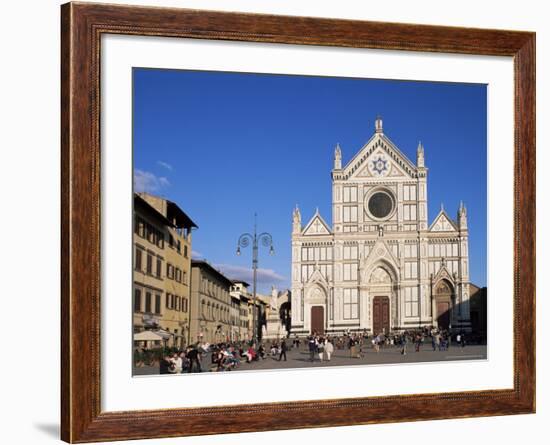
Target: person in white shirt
177	362
329	349
172	363
320	348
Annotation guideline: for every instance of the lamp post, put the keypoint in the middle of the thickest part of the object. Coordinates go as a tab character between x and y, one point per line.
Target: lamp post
244	241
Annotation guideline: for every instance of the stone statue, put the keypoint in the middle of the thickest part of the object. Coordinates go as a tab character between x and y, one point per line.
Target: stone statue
274	295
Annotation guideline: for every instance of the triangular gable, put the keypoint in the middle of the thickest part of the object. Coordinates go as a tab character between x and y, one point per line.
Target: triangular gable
397	172
443	273
379	143
317	277
362	173
380	252
316	226
379	165
443	223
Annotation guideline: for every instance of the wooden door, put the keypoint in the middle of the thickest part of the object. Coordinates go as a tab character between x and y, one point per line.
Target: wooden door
443	314
381	315
317	319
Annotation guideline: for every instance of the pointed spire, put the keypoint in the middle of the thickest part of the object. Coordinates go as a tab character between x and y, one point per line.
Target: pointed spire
337	157
462	217
378	124
442	207
296	220
461	210
420	155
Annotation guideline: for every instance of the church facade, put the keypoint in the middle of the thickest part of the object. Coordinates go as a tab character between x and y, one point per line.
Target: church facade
381	266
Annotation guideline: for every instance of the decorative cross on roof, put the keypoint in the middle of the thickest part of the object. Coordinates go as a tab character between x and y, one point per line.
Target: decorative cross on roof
317	228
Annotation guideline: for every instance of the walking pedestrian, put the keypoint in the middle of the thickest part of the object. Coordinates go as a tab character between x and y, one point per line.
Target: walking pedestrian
443	342
320	349
329	348
352	347
194	357
311	347
377	342
283	350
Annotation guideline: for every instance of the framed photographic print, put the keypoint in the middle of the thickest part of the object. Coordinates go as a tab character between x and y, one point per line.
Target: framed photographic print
287	222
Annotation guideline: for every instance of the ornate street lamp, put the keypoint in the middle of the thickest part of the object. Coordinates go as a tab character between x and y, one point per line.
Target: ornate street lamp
244	241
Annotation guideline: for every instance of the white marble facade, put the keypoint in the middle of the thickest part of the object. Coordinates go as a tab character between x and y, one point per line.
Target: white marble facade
380	266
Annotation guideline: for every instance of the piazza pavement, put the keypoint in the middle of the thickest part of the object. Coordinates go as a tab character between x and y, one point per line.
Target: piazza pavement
300	358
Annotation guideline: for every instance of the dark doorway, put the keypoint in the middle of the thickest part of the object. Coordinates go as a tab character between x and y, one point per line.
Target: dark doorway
443	297
381	315
443	312
317	319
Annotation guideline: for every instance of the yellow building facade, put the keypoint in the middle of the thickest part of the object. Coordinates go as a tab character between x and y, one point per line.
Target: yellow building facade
211	310
162	269
239	292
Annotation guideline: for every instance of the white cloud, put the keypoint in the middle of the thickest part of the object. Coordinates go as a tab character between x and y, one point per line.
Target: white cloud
196	255
165	165
264	276
163	181
148	182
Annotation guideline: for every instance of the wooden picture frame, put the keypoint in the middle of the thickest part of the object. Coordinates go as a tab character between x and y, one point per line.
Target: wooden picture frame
82	26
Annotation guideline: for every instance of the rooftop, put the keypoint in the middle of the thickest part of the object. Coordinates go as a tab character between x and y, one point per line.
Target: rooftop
173	215
205	265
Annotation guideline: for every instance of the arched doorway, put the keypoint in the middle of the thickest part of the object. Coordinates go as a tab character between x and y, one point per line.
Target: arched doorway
317	320
443	304
316	303
380	289
381	315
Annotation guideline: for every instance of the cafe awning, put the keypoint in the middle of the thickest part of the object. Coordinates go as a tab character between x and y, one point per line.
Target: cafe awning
147	336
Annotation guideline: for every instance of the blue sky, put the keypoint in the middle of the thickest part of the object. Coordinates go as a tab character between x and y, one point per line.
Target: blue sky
227	145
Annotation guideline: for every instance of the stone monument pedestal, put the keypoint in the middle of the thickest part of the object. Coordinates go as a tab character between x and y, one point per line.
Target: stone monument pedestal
274	328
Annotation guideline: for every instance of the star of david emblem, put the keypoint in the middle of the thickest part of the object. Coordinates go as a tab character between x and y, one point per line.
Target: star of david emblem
379	165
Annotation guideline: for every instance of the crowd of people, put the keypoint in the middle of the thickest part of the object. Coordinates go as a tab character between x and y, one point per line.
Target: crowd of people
358	343
227	356
320	347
